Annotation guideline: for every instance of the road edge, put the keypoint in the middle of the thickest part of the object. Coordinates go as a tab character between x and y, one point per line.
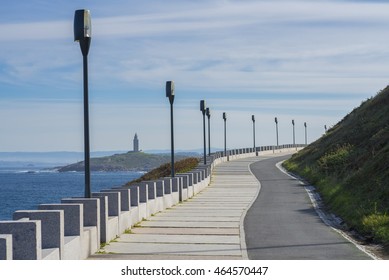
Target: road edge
315	198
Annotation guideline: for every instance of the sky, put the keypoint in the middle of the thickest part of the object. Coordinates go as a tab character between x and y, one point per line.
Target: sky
311	61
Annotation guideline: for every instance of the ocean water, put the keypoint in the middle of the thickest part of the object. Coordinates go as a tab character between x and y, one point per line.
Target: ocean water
22	189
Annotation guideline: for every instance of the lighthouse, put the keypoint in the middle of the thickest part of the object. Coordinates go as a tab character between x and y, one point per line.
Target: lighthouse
136	143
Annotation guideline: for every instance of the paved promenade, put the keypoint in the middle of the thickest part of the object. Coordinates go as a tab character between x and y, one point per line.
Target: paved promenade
280	222
207	226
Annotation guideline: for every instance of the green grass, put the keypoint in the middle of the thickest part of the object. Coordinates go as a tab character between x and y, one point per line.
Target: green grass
349	165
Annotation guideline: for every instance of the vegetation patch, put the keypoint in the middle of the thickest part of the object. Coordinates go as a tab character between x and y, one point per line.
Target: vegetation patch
349	165
182	166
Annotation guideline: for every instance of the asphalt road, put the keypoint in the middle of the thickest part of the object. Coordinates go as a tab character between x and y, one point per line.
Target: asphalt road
282	224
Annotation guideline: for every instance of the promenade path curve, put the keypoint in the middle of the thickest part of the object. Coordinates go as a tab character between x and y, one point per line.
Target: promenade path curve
227	216
283	225
207	226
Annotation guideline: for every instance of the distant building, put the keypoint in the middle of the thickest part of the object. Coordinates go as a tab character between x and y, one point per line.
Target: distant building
136	143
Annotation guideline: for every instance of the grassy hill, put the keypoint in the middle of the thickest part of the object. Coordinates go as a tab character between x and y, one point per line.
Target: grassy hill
131	161
349	165
164	170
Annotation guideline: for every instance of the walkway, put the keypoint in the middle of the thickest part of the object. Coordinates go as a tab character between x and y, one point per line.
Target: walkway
208	226
282	224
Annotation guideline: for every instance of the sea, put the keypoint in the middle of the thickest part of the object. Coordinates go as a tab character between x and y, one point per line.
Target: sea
24	189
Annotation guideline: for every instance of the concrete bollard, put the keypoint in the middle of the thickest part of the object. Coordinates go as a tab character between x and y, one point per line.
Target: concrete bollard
183	186
74	227
167	182
5	246
73	217
152	197
91	235
125	220
26	238
135	203
125	198
176	194
52	229
160	186
104	227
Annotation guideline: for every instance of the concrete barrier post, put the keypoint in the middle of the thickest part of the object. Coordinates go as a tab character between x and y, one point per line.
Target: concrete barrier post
91	234
73	217
5	246
152	207
52	229
183	186
125	220
74	224
104	227
26	238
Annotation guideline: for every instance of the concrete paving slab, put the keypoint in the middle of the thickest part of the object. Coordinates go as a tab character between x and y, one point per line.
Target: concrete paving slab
201	231
195	218
176	238
177	249
188	224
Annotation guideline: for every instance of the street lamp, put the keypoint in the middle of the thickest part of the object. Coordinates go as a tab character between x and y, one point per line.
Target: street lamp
305	125
208	113
170	95
225	136
294	139
276	121
82	34
325	128
253	119
203	109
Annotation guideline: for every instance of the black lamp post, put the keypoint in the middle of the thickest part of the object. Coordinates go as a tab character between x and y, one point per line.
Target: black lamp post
253	119
208	113
82	34
276	121
294	139
305	126
203	109
225	133
170	95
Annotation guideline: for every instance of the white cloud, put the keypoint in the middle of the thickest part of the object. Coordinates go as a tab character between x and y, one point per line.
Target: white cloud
212	49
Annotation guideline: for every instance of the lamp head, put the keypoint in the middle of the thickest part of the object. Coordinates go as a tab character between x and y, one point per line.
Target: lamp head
82	25
224	116
170	91
208	112
202	106
293	122
83	29
305	124
253	118
276	120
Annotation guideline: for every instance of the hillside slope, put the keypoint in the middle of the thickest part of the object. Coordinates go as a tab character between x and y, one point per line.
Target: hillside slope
350	167
131	161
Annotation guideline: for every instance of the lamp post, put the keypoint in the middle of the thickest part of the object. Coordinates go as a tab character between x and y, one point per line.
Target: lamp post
203	109
294	139
208	113
82	34
276	121
170	95
253	119
225	134
305	126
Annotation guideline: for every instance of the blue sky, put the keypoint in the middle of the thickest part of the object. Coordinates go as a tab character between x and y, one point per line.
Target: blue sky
312	61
